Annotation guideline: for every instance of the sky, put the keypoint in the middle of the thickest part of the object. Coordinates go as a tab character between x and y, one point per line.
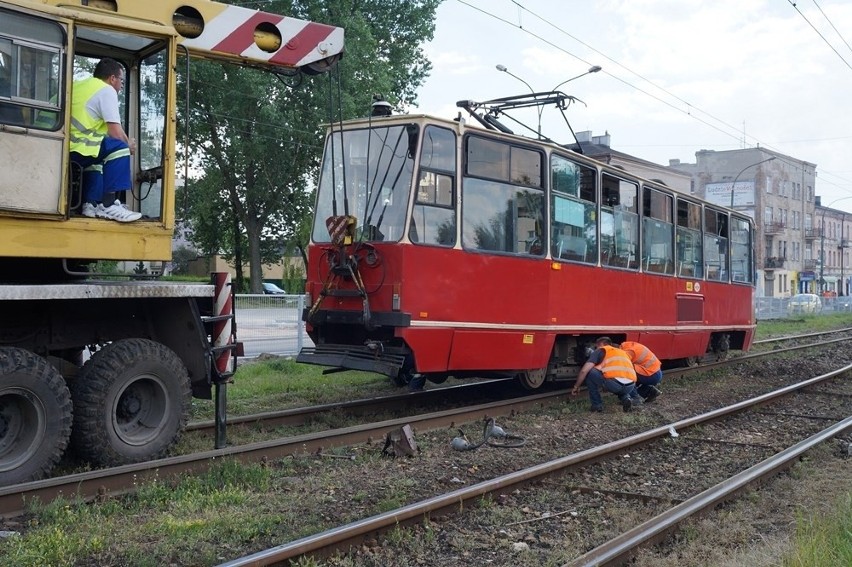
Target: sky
678	76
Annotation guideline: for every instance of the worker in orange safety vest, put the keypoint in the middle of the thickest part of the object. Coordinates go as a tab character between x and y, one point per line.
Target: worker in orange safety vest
649	369
609	368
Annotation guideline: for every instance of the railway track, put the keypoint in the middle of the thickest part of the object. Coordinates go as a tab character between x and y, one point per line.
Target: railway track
724	439
465	393
121	480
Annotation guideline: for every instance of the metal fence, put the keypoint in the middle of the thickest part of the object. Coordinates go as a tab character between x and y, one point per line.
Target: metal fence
780	308
271	324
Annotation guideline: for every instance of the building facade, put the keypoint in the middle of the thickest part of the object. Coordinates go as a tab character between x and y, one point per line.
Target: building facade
800	246
835	271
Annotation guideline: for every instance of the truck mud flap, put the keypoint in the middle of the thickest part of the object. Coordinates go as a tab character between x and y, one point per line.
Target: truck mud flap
347	357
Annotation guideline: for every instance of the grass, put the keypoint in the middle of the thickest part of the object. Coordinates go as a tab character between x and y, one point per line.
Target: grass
219	505
168	522
824	541
807	323
283	383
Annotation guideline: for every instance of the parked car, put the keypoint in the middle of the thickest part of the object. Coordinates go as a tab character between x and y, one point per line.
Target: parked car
804	303
272	289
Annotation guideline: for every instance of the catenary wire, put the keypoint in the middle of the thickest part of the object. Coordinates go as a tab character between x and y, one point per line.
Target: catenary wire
793	4
736	136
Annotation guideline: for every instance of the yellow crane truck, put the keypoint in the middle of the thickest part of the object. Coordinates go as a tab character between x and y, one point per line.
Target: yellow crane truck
109	368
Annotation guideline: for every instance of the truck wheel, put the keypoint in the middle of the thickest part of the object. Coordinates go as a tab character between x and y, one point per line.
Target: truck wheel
131	402
35	416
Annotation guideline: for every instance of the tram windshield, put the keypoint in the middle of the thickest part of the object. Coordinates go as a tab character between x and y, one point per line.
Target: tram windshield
367	174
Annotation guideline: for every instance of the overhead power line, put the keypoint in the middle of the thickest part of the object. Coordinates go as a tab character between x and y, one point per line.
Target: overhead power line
726	129
793	4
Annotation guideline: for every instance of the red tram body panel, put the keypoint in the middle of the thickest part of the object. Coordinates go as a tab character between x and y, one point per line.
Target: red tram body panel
425	282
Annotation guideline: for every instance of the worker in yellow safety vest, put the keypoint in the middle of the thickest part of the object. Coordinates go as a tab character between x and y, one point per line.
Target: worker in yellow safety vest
99	146
649	369
609	368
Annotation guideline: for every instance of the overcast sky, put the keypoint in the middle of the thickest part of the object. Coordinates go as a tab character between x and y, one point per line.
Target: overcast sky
678	75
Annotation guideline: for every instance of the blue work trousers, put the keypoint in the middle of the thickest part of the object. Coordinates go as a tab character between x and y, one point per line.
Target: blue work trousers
108	172
595	381
644	383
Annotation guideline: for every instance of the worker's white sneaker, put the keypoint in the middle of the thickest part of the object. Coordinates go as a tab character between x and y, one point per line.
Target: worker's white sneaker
90	210
117	212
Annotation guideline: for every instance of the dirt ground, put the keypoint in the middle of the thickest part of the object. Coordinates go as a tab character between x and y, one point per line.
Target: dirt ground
553	523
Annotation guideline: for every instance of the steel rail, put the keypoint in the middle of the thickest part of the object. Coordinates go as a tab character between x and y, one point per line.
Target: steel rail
619	550
123	479
804	336
298	416
344	536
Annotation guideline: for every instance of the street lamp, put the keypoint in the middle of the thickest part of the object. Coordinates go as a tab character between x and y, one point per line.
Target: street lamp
593	69
504	69
734	184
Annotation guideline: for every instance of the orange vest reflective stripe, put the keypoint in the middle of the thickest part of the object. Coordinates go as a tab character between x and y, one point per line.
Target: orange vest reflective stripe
644	361
616	364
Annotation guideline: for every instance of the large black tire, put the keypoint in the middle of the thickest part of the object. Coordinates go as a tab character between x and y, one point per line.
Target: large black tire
131	403
35	416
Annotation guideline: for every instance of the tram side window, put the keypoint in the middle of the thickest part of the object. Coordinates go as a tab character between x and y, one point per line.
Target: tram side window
690	263
716	244
658	234
741	251
573	222
619	222
30	71
502	198
433	219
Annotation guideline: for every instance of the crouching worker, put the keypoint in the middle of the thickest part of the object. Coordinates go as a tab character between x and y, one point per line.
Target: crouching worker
609	368
649	369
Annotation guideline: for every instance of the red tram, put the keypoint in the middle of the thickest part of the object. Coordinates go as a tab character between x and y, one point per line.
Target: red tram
451	249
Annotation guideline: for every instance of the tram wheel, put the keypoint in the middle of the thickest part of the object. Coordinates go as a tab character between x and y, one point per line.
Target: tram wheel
131	403
722	346
692	361
532	379
35	416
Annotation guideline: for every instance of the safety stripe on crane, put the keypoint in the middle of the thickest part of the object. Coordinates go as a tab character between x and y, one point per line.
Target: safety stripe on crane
302	42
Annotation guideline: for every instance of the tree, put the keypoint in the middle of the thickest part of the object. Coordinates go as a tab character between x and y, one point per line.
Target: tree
256	137
181	259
